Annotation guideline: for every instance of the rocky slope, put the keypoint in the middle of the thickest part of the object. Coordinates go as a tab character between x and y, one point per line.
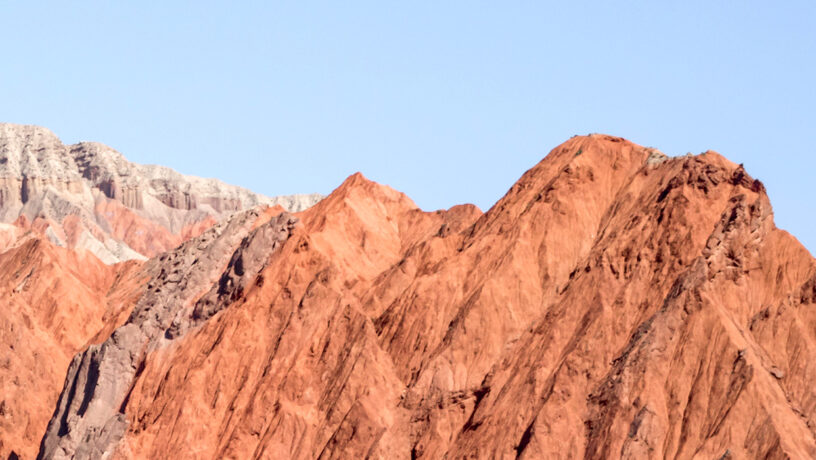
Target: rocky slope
615	303
53	301
89	196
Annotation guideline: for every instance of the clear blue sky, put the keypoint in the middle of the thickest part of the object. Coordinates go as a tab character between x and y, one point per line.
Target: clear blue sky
449	101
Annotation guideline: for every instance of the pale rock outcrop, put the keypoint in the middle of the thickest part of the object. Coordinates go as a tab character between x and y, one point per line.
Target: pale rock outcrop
127	210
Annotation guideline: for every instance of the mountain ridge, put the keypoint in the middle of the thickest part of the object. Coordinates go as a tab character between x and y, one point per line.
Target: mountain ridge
614	303
41	178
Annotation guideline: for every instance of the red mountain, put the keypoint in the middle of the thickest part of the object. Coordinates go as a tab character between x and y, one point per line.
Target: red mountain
615	303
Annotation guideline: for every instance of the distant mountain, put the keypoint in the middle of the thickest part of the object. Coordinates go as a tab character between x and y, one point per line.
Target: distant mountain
89	196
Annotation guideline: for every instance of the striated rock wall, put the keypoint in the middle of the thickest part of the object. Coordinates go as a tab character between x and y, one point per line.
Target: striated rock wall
42	178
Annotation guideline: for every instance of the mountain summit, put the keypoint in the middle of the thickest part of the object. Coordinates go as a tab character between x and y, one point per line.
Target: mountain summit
88	196
615	303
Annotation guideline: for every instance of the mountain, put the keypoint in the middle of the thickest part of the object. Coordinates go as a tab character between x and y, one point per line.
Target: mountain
88	196
615	303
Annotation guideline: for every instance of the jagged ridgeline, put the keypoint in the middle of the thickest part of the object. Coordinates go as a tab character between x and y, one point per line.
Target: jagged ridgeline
88	196
615	303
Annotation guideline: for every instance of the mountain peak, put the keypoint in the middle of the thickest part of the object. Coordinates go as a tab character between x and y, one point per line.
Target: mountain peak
12	130
364	189
615	302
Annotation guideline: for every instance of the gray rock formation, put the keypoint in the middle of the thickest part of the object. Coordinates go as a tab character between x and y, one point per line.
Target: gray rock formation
40	177
89	416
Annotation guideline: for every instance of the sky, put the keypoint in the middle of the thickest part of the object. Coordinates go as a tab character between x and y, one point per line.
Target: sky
449	102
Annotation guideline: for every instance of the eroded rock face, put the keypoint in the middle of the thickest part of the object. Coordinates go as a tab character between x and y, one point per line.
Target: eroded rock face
614	303
89	417
53	301
91	197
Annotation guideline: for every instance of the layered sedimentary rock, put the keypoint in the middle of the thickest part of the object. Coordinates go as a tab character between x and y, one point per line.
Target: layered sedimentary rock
615	303
89	196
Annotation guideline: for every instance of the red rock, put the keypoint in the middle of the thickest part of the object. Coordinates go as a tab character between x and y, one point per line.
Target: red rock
53	301
614	303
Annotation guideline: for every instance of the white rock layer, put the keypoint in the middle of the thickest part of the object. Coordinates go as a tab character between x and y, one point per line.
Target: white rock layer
40	177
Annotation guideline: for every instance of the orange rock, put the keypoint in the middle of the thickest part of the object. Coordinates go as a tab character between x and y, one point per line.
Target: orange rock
614	303
52	303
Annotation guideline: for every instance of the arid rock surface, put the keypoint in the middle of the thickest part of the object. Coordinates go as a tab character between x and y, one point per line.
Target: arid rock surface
89	196
615	303
53	301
